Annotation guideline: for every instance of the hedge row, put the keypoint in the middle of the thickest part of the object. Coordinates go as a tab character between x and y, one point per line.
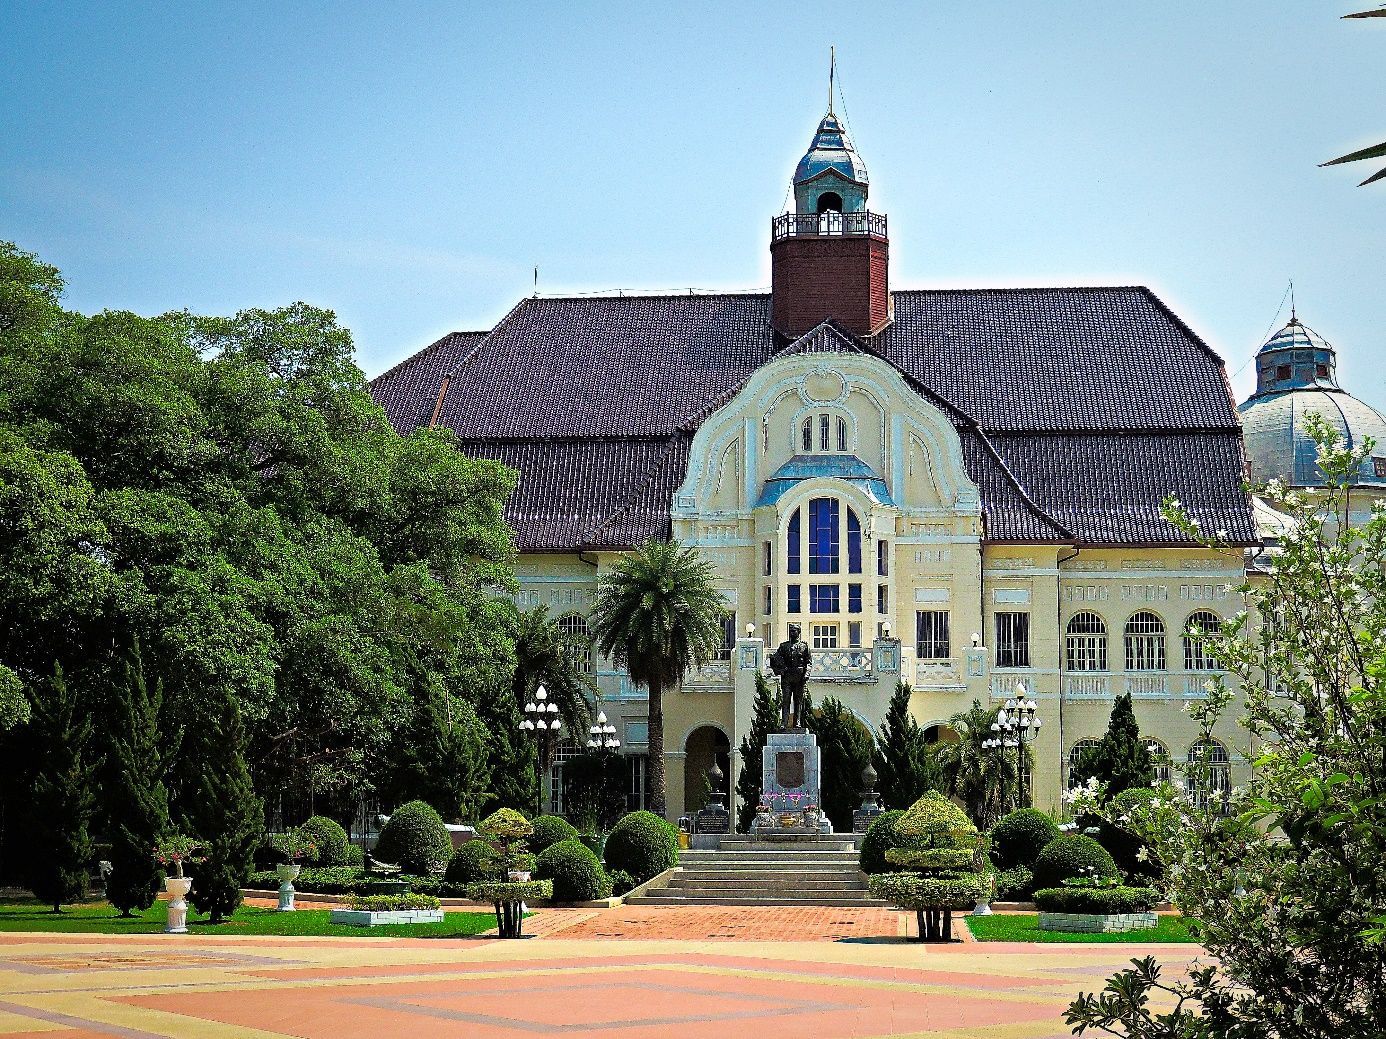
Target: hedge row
1105	901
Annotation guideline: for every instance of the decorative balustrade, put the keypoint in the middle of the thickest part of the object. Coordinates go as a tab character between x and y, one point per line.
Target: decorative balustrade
1002	686
715	673
1145	685
1086	687
801	225
841	665
1148	686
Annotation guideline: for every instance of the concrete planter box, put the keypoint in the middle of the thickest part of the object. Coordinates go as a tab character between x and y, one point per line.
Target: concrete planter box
367	918
1097	923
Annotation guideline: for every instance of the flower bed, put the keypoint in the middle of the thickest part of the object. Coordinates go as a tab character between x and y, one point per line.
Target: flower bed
377	910
1096	910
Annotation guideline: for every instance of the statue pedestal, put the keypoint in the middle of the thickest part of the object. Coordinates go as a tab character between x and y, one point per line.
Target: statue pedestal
791	784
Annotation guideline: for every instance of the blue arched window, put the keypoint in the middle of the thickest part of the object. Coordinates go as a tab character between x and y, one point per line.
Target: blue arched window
853	543
792	566
823	543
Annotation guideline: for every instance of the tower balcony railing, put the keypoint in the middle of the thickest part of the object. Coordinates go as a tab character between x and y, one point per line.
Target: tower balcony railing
821	225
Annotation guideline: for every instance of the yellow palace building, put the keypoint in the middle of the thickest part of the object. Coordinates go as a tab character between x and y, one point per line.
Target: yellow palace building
959	489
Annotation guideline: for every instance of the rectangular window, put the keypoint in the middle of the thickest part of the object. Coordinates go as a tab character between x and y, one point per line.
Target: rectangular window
823	598
883	558
728	636
767	558
931	635
794	605
823	536
854	634
854	598
825	636
769	601
1012	640
883	598
792	565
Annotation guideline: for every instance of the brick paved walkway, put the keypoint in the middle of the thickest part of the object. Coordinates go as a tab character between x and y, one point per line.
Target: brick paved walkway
724	923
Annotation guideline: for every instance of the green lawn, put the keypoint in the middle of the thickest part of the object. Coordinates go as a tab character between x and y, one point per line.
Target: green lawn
1024	927
101	918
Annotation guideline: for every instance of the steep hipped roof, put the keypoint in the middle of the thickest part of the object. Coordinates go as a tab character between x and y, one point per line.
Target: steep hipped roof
1078	408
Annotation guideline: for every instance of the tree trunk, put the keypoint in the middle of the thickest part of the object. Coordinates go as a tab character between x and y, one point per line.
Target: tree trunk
658	793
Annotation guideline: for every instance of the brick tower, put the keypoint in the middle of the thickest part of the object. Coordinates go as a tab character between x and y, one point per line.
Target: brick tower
829	258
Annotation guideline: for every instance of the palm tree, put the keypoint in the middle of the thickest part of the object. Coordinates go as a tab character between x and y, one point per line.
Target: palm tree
658	614
984	778
1376	151
544	654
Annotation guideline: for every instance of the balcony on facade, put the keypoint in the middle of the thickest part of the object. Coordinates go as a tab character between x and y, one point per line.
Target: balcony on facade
1151	685
820	225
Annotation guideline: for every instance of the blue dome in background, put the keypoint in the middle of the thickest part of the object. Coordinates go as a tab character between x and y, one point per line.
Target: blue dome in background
1296	377
831	150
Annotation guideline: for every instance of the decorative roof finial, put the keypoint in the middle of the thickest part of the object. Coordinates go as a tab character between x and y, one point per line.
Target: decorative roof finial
832	74
1294	316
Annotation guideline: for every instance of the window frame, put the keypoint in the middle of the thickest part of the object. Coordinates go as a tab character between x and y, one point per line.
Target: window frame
1145	643
1085	643
1012	646
932	639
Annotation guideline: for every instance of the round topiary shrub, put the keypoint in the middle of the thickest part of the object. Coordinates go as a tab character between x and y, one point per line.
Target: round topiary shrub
1073	856
1018	839
576	874
548	831
415	839
880	838
330	839
643	845
474	862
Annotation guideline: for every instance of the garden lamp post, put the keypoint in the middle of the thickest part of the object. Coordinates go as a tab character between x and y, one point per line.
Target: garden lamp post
541	717
602	735
1016	724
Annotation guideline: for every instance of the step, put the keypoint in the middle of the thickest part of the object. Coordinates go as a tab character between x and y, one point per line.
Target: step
789	883
730	900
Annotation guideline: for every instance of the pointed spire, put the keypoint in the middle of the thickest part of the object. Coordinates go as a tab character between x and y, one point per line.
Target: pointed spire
832	74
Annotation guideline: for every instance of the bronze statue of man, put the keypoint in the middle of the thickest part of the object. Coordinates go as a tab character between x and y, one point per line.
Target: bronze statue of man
791	661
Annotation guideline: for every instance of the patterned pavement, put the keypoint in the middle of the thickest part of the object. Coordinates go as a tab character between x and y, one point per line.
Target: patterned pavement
567	981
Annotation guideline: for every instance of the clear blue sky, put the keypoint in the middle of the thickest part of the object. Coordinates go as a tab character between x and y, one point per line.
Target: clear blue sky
408	164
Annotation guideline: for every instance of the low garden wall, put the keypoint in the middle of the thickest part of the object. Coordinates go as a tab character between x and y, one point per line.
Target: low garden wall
1097	923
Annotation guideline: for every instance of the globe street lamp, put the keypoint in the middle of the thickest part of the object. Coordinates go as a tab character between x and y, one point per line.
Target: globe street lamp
602	734
541	717
1016	724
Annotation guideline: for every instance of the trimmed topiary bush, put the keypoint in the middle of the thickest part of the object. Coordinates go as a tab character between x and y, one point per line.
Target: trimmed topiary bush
643	845
576	874
880	838
1016	884
1018	839
415	839
356	855
621	882
1102	901
1072	856
330	839
548	831
474	862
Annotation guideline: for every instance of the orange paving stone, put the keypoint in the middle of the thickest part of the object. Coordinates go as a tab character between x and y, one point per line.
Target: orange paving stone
732	923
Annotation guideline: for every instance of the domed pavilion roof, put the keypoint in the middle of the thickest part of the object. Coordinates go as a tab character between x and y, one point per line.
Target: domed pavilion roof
1296	377
831	150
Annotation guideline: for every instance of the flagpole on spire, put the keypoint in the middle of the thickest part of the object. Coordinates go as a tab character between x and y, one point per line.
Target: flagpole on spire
832	74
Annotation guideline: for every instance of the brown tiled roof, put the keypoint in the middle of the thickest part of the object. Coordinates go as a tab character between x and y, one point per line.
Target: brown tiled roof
1078	408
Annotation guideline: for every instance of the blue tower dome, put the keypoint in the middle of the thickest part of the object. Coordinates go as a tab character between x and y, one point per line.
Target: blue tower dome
831	176
1296	377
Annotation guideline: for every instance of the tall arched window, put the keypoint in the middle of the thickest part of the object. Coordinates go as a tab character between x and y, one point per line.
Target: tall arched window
1075	755
1196	638
1210	773
1145	642
823	537
1159	758
853	543
793	550
1085	643
579	639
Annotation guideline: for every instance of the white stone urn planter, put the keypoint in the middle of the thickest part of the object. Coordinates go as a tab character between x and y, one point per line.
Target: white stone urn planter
177	888
983	906
287	874
519	876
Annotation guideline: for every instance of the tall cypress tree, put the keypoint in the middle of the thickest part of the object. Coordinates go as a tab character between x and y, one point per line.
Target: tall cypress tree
136	799
1120	759
846	748
903	761
765	719
224	811
443	759
63	802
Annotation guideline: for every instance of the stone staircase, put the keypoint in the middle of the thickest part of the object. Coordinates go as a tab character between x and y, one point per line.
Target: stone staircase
750	871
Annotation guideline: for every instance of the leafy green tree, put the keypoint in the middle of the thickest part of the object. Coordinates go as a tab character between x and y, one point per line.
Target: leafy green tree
765	719
136	802
984	778
1120	760
223	810
594	790
658	613
1284	875
63	802
442	759
904	763
846	748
